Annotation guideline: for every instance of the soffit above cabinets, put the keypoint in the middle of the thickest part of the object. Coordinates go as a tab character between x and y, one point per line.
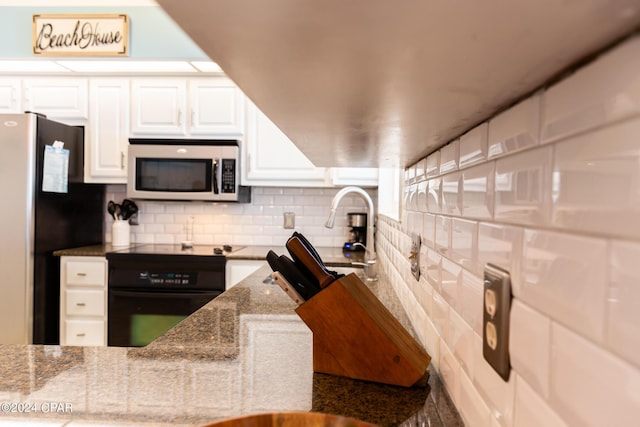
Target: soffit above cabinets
379	82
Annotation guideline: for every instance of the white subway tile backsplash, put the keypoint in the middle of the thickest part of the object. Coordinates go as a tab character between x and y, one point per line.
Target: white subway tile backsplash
603	92
450	283
422	196
623	332
450	373
562	219
449	155
596	181
515	129
564	276
529	346
464	237
478	191
473	146
473	409
428	230
531	410
421	170
443	234
471	300
451	194
434	268
500	245
432	167
461	339
523	188
590	387
440	315
257	223
498	394
412	198
434	195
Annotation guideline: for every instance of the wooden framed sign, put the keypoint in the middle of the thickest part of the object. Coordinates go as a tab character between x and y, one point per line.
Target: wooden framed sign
89	35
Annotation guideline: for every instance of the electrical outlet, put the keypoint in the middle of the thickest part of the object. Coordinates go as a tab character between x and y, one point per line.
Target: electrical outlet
495	331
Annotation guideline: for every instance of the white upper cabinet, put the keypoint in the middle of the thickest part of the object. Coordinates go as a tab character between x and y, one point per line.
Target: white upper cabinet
64	99
271	159
207	107
106	136
10	95
364	177
159	107
216	107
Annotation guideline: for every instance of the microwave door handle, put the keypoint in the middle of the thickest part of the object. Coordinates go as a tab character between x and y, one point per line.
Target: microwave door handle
216	190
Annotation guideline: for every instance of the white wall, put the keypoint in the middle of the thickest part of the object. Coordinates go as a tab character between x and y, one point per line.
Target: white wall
549	190
257	223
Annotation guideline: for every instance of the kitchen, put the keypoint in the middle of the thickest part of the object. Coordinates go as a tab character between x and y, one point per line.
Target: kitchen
585	358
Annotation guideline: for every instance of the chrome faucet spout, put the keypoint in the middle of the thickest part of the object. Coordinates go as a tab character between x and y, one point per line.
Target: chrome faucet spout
370	248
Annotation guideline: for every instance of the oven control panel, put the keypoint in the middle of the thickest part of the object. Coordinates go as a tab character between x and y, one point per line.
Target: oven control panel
166	278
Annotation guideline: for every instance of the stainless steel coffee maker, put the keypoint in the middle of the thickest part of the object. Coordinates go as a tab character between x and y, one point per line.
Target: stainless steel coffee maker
357	221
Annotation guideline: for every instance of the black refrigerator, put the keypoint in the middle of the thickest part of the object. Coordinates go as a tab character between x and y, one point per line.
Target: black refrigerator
46	206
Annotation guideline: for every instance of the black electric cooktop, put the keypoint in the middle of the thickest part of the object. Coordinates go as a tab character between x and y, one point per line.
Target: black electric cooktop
165	249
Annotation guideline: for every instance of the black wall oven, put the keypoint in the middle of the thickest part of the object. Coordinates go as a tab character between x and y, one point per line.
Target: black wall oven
153	287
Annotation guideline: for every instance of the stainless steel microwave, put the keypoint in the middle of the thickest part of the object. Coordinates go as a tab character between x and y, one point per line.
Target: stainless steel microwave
185	169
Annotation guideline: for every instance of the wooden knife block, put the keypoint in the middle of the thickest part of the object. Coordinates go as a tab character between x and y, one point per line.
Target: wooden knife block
356	336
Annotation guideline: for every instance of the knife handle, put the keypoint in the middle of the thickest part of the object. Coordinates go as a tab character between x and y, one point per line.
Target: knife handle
320	272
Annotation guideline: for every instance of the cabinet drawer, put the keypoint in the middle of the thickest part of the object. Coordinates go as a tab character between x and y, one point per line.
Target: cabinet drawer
81	302
85	273
84	332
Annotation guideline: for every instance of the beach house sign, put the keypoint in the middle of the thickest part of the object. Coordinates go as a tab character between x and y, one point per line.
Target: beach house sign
93	35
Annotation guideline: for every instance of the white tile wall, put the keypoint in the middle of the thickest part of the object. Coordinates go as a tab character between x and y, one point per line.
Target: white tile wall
564	218
260	222
473	146
515	129
623	295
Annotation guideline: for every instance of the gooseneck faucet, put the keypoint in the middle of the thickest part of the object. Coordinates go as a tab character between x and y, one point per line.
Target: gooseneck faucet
370	249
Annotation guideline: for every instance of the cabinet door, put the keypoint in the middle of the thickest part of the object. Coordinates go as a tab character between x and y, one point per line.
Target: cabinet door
83	333
58	98
108	131
272	159
158	107
216	107
238	269
10	92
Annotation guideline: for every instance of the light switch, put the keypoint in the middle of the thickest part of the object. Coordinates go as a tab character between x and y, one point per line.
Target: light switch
289	220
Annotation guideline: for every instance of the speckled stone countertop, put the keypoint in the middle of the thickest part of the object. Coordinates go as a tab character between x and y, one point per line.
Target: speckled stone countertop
332	256
244	352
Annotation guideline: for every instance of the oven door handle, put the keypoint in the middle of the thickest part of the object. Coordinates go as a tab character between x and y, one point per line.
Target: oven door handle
160	295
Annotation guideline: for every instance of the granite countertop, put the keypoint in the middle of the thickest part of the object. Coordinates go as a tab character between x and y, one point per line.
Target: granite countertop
332	256
244	352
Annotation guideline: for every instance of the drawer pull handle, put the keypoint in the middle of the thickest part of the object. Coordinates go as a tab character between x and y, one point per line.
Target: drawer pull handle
81	334
80	304
82	274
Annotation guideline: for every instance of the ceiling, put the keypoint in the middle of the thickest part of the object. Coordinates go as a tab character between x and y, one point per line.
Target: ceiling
384	83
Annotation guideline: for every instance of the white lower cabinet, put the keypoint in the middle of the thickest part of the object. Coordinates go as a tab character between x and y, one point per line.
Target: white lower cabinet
238	269
83	300
84	332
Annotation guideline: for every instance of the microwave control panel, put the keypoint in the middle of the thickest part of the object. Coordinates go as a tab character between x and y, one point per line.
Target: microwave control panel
228	175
